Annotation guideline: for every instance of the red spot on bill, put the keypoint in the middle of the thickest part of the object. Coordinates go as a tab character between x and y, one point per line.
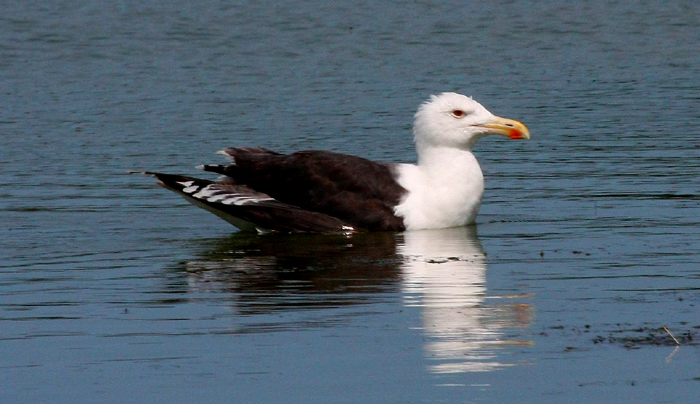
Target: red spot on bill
516	134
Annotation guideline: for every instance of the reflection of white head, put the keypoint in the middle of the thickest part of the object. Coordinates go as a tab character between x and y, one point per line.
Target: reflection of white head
445	274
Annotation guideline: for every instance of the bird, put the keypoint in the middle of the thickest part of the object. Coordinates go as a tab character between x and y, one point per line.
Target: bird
317	191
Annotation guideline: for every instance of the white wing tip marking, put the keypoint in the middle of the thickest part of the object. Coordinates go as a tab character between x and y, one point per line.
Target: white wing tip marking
214	195
243	200
204	193
227	154
188	186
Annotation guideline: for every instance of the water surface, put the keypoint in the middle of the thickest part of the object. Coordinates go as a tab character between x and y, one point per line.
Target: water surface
114	290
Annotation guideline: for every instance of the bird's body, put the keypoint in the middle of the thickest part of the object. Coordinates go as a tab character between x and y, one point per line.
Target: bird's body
326	192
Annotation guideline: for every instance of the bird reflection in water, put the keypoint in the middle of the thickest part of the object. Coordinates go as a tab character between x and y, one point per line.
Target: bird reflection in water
443	272
273	273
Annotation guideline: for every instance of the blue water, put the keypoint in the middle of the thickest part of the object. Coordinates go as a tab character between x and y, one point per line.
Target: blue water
115	290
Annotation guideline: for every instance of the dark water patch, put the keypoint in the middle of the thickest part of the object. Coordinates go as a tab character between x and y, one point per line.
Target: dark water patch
628	196
46	335
651	336
627	335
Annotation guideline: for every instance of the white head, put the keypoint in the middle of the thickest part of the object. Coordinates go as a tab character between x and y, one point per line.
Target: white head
457	121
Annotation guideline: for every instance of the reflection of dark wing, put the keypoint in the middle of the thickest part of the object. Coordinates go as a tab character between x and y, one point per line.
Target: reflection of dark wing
271	273
246	208
358	191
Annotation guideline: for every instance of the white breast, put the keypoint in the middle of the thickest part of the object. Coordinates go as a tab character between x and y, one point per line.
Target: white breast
444	190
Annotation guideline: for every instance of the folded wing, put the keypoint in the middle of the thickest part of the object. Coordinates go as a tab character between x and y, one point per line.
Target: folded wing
357	191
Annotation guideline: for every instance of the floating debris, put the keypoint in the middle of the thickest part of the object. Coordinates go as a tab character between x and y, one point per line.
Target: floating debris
647	336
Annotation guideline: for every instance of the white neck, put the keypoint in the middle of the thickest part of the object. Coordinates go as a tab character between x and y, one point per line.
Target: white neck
439	157
444	189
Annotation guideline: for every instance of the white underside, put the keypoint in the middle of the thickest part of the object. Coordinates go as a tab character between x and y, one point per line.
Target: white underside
444	190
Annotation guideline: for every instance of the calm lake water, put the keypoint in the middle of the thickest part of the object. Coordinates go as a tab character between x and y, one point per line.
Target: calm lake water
587	246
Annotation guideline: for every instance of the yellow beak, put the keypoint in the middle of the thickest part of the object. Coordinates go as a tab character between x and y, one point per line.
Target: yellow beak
508	127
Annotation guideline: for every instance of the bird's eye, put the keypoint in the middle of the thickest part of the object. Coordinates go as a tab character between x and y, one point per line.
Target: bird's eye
458	113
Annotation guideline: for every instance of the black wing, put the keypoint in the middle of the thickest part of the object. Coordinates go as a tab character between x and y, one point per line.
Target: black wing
247	209
355	190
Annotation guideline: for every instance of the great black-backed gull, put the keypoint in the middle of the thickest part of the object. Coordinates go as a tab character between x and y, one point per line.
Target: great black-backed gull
326	192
